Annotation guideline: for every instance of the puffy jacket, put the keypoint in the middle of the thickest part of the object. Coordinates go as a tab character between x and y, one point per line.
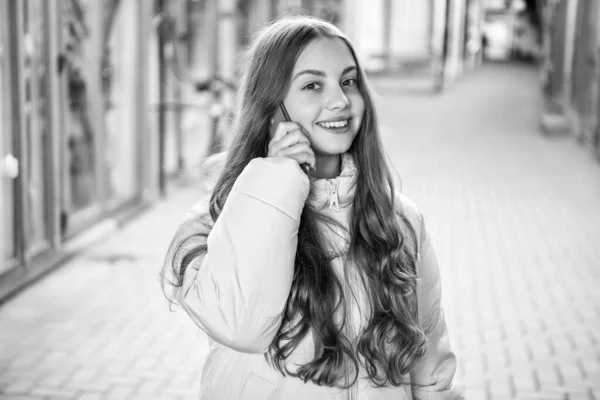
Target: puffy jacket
237	291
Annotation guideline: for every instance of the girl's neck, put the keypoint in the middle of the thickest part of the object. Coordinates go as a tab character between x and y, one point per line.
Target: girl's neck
327	167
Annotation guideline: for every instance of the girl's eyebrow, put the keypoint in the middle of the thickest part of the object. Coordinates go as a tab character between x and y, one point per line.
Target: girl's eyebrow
321	73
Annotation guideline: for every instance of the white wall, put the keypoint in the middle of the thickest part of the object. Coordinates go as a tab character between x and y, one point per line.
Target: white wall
454	66
569	45
228	39
412	32
121	128
149	93
410	27
439	26
363	24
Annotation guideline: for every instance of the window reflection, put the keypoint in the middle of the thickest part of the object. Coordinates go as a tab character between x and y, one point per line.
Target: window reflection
36	122
7	189
80	160
119	73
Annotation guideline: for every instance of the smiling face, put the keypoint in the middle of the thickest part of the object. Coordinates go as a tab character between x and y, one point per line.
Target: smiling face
324	96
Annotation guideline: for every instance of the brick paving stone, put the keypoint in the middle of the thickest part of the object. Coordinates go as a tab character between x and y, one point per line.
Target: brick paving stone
64	393
182	392
514	217
116	368
475	393
90	396
150	386
120	392
499	389
55	379
87	385
17	387
523	383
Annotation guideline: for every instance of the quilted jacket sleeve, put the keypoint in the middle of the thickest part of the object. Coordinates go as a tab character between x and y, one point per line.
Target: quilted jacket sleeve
237	290
432	378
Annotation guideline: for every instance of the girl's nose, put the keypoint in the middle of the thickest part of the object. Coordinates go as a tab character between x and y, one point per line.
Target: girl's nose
338	100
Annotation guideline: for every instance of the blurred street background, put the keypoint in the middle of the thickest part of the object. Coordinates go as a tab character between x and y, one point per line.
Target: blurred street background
490	111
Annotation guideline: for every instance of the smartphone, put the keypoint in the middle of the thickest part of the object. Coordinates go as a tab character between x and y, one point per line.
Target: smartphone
277	118
282	115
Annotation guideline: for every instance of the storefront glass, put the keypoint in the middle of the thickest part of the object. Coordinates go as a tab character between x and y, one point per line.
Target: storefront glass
79	163
153	100
7	221
196	124
120	68
35	129
186	61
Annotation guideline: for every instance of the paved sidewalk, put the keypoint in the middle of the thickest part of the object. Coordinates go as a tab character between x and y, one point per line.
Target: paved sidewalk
515	218
100	328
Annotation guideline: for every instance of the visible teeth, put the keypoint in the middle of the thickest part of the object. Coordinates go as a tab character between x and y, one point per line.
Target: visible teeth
336	124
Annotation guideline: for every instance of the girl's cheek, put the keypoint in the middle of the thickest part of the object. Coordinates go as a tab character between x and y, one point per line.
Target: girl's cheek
356	99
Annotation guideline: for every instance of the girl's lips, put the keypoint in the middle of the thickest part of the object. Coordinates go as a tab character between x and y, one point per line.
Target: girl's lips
333	129
335	124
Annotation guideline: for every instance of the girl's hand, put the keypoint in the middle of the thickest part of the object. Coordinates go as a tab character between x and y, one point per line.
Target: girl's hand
290	141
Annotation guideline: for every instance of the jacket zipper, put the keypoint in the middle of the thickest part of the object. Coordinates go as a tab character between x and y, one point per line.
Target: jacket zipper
334	200
334	203
353	394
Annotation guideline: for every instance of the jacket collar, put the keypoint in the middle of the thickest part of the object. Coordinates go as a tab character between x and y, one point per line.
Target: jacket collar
336	192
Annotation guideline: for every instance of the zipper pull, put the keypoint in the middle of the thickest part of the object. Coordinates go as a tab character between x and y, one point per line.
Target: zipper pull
334	201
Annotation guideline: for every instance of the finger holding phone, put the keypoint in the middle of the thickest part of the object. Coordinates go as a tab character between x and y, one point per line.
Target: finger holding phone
288	139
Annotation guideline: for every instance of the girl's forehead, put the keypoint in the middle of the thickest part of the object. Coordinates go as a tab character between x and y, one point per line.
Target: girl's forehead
324	54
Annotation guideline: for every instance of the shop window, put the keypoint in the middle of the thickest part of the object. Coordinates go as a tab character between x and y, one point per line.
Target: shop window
7	192
34	110
120	69
8	221
79	162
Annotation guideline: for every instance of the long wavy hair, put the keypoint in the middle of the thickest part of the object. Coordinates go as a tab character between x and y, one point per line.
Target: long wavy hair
383	247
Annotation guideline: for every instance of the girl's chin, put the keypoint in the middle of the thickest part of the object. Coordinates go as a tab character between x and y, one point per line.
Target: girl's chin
331	151
334	146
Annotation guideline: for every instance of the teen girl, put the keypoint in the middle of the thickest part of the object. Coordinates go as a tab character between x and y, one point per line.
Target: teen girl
320	286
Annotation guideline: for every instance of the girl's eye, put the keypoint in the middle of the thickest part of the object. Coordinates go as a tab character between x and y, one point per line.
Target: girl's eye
312	86
350	82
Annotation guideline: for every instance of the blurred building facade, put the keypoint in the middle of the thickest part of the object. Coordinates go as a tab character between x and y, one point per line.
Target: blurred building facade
76	144
571	70
102	102
437	37
511	30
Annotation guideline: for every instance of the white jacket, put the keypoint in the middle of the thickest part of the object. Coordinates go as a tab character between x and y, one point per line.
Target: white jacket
236	292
